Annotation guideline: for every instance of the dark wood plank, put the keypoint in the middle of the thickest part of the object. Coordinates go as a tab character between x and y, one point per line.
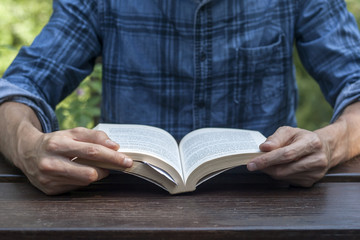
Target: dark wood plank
352	166
251	211
229	206
346	172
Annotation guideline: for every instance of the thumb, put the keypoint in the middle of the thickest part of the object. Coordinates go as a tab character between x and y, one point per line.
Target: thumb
93	136
281	137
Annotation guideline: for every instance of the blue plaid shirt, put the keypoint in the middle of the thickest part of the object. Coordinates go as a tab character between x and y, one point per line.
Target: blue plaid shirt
187	64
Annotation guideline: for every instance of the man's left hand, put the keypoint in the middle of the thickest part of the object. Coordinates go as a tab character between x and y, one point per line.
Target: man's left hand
297	156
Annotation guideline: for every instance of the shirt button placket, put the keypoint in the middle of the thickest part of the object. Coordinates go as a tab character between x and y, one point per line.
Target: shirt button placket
202	56
201	63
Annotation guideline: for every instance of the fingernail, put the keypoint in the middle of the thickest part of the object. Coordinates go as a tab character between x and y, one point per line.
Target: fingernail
252	166
267	142
111	143
128	162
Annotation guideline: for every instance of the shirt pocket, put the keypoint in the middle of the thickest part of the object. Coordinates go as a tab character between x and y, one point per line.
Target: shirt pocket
259	86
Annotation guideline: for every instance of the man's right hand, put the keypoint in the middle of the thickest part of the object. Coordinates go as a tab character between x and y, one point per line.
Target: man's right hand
46	158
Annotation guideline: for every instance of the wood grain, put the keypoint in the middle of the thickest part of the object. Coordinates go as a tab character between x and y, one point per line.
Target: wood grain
226	207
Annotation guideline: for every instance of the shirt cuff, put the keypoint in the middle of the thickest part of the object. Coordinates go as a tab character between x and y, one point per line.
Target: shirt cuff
349	95
45	114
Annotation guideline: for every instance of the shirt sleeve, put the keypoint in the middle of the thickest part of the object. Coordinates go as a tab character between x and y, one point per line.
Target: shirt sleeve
328	42
60	57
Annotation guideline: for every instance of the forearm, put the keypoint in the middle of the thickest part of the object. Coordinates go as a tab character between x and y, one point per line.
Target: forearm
343	136
17	122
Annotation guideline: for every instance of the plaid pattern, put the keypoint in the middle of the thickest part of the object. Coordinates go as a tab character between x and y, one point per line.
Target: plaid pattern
187	64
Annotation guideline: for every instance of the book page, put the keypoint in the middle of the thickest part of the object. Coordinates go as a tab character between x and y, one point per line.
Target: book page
146	140
209	143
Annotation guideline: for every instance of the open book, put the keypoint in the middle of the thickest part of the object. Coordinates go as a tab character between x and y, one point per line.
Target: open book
200	155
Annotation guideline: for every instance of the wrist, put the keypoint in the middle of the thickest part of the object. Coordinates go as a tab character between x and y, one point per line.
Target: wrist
350	120
335	142
19	127
27	137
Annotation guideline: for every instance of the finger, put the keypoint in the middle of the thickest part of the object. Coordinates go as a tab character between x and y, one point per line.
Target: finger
275	157
305	179
282	137
302	143
81	175
307	164
88	151
60	175
296	150
99	155
93	136
70	172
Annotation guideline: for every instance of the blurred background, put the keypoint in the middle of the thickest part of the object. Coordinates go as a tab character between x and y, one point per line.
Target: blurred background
22	20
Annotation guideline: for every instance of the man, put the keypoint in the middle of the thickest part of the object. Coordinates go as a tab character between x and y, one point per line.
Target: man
182	65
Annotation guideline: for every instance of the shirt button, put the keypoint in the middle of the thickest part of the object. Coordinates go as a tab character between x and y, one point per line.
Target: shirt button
202	56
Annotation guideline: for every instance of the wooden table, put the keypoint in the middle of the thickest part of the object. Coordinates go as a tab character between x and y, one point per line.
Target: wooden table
226	207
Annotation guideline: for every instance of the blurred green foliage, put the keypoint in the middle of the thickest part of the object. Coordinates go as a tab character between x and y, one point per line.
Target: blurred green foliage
82	107
22	20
